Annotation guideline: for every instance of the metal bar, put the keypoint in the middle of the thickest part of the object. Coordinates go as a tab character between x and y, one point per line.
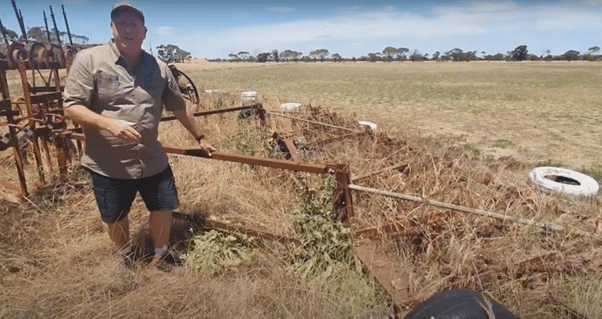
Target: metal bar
67	24
32	122
341	196
313	122
4	35
387	272
458	208
47	29
19	19
380	171
219	111
56	28
255	160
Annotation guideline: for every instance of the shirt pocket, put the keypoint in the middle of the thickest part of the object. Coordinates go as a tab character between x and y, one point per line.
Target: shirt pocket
108	87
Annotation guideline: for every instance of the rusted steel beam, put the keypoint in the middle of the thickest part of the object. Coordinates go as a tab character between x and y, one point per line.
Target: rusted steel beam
380	171
255	160
387	272
289	145
205	223
341	197
213	112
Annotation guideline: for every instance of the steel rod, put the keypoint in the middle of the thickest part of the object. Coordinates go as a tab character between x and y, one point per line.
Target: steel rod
458	208
254	160
213	112
313	122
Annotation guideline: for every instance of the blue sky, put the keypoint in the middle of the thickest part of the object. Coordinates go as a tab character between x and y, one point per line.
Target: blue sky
214	29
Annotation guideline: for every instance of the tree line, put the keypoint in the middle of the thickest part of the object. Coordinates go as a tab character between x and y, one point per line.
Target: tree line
389	54
41	34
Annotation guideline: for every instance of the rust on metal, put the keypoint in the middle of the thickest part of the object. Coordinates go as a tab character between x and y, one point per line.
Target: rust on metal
387	272
287	142
218	111
341	197
254	160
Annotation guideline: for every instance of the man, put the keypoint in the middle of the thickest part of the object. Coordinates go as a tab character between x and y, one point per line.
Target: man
117	93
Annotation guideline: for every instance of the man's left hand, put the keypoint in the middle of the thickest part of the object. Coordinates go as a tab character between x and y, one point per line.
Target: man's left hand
204	145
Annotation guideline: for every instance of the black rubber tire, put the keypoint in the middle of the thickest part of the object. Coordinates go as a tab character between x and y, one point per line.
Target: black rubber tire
458	304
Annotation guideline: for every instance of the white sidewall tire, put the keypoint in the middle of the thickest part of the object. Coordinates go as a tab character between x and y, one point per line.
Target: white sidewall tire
587	185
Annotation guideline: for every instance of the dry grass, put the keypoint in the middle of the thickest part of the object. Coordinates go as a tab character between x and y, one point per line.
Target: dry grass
56	262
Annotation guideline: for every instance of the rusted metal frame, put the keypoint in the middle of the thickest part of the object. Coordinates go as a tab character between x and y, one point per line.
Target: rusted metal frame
6	107
256	160
32	123
478	212
319	144
219	111
388	273
341	197
380	171
289	145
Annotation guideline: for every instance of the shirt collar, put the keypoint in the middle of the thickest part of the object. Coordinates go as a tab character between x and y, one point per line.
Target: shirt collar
116	55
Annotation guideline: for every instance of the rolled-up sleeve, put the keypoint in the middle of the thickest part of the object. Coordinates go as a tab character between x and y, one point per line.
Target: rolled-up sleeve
79	88
172	97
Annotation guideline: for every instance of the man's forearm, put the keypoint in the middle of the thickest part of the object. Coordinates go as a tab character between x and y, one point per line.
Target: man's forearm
186	117
80	114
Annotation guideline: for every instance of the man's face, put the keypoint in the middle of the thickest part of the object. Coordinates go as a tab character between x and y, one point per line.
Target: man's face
128	33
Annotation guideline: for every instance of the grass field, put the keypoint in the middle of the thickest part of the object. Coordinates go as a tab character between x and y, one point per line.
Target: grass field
534	111
467	133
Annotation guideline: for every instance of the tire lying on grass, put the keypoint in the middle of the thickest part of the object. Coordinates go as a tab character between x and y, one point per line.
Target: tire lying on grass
460	304
562	180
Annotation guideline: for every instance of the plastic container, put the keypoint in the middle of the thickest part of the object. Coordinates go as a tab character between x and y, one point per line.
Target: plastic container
290	106
372	126
248	96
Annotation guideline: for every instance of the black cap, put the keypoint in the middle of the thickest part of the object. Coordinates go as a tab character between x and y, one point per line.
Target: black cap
126	6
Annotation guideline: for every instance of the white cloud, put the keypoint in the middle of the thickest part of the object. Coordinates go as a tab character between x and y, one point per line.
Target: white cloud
438	24
165	31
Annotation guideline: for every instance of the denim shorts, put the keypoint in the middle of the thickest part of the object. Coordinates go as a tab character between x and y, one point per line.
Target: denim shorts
115	196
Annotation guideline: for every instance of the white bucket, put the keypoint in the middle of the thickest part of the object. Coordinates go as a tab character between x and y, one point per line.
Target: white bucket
248	96
372	126
211	91
290	106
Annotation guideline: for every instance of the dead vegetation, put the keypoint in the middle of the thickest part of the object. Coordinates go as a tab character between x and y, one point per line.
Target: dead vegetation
56	262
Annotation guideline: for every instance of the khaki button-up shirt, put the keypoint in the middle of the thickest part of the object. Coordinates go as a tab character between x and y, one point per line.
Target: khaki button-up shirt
99	80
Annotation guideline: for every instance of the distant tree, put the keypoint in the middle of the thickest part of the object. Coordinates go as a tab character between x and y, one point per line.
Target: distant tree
233	56
10	34
336	57
593	50
571	55
390	52
416	56
244	55
38	34
263	57
436	56
519	53
275	55
401	53
456	54
172	53
319	54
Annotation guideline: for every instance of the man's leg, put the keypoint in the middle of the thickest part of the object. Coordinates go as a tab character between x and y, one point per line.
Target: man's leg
119	232
160	226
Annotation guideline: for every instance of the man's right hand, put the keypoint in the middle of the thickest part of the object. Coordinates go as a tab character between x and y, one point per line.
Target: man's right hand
123	130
